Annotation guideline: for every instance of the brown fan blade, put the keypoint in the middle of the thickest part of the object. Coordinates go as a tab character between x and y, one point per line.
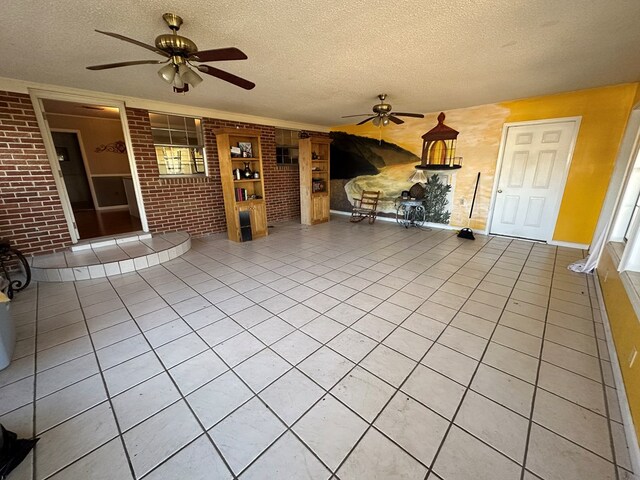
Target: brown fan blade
366	120
125	64
226	76
395	120
359	115
135	42
218	55
414	115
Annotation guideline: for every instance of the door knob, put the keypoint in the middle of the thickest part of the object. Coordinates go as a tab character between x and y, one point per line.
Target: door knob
499	191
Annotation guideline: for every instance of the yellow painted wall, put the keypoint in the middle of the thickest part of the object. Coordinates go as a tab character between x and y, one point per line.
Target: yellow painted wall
95	132
625	328
604	113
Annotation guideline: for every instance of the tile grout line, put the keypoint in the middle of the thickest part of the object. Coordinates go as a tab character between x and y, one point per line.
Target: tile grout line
35	379
289	428
181	398
328	392
535	387
398	389
468	387
106	391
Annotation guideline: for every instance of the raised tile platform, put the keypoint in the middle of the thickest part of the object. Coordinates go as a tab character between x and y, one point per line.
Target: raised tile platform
109	256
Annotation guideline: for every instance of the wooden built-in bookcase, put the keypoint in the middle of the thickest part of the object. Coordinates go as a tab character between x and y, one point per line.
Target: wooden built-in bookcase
246	194
314	161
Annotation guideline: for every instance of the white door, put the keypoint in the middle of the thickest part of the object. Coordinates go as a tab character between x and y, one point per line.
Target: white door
531	180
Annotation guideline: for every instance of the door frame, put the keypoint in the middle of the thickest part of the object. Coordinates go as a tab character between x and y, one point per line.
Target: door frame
83	154
37	96
563	183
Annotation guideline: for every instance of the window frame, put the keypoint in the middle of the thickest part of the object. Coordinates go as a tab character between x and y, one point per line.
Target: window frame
288	146
189	147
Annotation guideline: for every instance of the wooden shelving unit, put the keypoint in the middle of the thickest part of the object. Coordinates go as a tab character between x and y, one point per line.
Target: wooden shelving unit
254	187
314	162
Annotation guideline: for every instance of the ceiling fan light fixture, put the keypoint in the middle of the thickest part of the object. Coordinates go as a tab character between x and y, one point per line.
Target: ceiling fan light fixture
167	73
385	121
376	121
189	76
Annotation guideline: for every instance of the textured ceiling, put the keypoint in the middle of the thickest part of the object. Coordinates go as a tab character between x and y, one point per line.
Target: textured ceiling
316	60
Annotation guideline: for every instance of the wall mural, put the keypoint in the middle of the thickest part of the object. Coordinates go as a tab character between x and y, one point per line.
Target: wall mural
371	158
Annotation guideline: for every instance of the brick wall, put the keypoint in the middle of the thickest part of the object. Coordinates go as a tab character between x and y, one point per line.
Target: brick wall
31	215
196	205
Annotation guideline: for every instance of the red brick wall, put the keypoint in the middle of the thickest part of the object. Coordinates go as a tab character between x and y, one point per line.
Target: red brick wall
31	215
196	205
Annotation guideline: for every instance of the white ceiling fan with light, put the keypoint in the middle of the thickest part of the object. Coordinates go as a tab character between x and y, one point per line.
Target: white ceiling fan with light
182	58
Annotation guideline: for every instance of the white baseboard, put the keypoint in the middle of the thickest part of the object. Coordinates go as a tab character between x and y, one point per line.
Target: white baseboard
582	246
627	419
442	226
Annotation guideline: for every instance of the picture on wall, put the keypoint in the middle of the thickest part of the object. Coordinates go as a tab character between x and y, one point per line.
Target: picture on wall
246	149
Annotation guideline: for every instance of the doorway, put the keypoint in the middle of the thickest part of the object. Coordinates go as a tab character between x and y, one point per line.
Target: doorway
532	172
94	166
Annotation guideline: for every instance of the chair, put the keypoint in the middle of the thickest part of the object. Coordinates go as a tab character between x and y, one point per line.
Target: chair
365	207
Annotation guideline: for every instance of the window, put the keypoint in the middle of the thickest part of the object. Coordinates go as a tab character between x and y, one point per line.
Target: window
286	147
179	144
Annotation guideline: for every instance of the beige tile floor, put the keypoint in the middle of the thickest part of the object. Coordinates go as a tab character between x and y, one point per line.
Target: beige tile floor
338	351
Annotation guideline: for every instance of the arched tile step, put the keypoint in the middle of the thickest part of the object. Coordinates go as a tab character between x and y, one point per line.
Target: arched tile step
107	257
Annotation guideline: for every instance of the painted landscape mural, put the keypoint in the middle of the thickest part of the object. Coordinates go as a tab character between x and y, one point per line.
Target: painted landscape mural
372	158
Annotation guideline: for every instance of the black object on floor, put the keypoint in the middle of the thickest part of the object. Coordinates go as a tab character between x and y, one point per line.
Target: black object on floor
467	232
12	451
245	226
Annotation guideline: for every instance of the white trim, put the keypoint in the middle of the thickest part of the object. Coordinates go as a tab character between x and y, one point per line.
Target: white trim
627	154
557	243
87	170
627	419
38	95
83	116
22	86
565	175
111	174
50	148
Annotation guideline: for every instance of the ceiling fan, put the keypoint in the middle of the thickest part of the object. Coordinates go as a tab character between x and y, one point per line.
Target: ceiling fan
181	55
382	114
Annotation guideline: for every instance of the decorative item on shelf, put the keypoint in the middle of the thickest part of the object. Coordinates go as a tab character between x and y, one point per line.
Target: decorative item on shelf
246	149
247	170
405	194
314	156
237	174
256	174
438	151
317	185
303	134
235	152
417	191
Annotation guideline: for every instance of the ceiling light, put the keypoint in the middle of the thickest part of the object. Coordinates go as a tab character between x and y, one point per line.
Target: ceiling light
385	121
167	73
189	76
376	121
178	82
